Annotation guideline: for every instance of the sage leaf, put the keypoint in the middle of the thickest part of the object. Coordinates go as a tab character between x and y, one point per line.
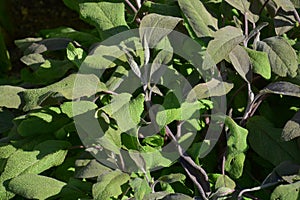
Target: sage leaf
177	196
109	185
201	21
89	168
32	186
225	40
289	191
155	27
282	88
107	17
241	62
260	63
291	129
265	140
286	5
140	188
212	88
236	147
284	21
10	96
171	178
244	7
282	56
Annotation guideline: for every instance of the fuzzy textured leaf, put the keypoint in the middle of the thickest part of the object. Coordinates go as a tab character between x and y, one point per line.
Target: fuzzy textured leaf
291	129
260	63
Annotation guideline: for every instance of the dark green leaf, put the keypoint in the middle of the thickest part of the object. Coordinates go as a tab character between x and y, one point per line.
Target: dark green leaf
282	56
90	169
32	186
265	140
202	22
6	118
171	178
282	88
291	129
177	196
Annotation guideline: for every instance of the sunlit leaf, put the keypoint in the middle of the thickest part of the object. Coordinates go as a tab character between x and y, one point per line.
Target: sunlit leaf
260	63
288	192
140	188
291	129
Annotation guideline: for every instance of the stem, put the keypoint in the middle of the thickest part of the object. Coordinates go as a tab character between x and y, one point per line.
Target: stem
263	7
240	196
246	28
131	6
296	15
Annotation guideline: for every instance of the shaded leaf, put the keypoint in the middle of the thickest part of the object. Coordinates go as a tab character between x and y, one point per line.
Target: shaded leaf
284	21
177	196
224	181
89	168
244	7
241	62
282	88
260	63
155	195
202	22
6	118
291	129
109	185
265	140
282	56
225	40
171	178
34	186
286	192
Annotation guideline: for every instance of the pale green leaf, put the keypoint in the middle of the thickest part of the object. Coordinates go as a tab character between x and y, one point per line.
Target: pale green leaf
287	192
10	96
224	181
212	88
284	21
109	185
90	170
202	22
286	5
225	40
72	109
75	55
32	186
154	28
140	188
260	63
282	56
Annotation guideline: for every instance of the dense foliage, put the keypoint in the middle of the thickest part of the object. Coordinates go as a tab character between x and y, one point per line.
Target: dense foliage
195	100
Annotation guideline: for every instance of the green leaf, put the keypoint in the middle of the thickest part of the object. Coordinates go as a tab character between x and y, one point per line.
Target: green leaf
72	87
126	112
244	7
282	56
282	88
155	195
260	63
202	22
32	186
140	188
284	21
286	192
6	118
291	129
212	88
241	62
10	96
265	140
236	147
171	178
154	28
89	168
107	17
109	185
44	121
286	5
75	55
177	196
72	109
225	40
224	181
